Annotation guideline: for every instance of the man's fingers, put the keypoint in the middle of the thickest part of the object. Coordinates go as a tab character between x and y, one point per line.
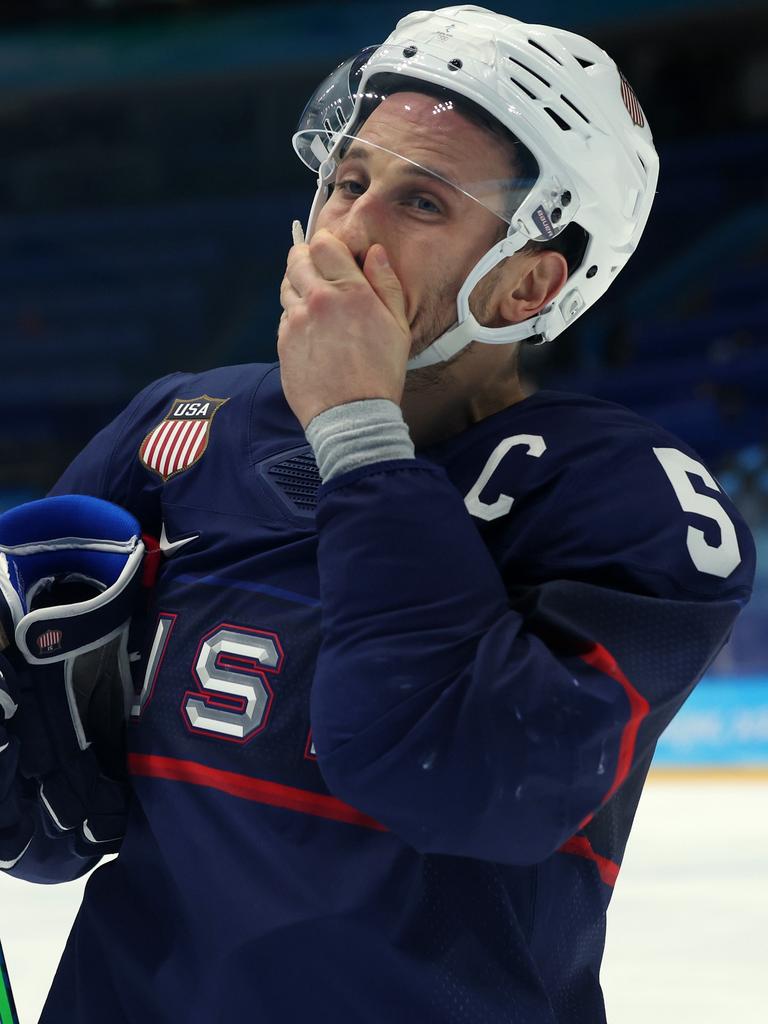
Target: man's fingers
288	295
299	271
325	258
332	259
384	281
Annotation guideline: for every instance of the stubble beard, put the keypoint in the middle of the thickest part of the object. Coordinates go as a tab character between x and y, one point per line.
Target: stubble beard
433	319
436	316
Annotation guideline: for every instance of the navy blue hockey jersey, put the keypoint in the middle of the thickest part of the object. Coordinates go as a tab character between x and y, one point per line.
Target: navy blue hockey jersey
389	732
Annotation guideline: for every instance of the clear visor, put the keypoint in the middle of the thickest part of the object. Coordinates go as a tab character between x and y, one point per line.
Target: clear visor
330	108
499	177
353	163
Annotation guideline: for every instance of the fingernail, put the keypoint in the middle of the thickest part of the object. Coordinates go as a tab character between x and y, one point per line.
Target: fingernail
381	257
297	231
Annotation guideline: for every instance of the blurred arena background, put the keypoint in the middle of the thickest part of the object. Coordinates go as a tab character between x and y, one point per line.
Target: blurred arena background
147	187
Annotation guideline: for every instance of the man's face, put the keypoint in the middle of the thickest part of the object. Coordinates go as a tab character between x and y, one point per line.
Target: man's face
432	232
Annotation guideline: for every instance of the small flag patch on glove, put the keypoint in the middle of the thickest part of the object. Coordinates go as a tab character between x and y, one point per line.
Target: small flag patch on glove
49	641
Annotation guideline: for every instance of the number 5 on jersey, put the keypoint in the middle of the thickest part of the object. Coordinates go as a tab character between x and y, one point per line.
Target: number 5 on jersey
716	559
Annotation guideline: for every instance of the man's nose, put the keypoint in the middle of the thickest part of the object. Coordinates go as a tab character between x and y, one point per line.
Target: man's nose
361	226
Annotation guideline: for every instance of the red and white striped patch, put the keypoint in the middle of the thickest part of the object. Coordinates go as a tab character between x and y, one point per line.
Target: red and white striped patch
49	641
181	439
632	103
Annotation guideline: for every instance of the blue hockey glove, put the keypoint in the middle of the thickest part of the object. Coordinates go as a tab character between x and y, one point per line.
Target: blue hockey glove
16	823
70	573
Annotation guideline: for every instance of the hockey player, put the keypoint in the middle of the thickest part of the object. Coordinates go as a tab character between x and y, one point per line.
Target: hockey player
415	635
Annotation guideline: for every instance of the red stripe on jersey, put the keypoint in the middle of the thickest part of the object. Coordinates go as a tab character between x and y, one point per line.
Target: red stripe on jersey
173	462
160	445
161	459
191	438
202	434
601	659
581	847
150	567
153	440
247	788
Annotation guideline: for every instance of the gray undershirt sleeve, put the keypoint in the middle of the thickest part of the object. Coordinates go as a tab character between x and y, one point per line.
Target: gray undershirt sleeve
358	434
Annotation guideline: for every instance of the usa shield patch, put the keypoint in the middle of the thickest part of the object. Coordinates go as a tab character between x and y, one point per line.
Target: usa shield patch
181	439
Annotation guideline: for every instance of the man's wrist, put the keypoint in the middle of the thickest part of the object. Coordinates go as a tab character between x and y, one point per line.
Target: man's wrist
358	434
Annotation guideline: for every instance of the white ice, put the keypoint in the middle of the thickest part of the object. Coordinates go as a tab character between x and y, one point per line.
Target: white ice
687	929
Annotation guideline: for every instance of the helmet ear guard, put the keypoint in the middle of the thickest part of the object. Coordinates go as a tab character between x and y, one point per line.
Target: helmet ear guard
565	100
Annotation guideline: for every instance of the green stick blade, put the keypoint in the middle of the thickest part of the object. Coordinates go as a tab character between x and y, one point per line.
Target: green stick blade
8	1013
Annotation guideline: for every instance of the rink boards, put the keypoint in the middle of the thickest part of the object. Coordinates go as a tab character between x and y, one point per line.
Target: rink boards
723	724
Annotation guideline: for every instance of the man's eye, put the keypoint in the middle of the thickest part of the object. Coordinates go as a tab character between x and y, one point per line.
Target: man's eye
349	187
425	205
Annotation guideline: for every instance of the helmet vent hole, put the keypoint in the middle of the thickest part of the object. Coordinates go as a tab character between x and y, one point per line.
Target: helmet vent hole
530	72
592	271
574	108
538	46
521	86
585	63
410	51
455	64
558	120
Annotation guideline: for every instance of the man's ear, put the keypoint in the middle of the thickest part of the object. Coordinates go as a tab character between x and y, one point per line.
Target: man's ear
535	284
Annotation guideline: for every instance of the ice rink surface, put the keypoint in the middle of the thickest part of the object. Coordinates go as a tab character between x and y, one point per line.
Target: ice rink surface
687	928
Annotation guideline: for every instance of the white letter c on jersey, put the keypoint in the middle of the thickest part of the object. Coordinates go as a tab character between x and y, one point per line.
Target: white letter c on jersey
483	510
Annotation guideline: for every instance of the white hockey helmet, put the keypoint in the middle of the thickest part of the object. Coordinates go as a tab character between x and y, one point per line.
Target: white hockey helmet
557	93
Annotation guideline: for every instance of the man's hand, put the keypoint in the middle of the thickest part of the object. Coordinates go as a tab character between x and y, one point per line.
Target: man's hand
344	333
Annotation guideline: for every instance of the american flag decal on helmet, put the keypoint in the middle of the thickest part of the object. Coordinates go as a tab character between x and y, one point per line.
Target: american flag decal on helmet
49	641
181	439
632	103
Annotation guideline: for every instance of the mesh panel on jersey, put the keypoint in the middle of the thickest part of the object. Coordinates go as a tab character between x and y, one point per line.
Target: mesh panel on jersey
298	481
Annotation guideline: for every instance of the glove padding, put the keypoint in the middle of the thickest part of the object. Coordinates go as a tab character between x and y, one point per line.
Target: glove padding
16	822
69	582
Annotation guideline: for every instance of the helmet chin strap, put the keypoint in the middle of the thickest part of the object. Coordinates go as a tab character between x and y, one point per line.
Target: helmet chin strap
467	329
325	177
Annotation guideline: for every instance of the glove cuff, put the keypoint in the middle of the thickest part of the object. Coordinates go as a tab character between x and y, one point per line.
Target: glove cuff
63	631
69	539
